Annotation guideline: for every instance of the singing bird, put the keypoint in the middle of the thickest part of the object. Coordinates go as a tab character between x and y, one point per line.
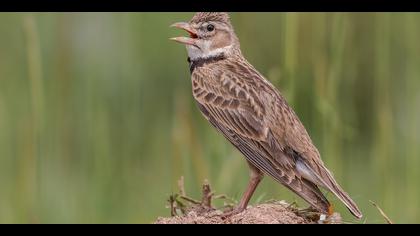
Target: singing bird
252	114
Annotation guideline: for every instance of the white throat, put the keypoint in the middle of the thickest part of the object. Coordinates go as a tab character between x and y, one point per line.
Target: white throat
195	53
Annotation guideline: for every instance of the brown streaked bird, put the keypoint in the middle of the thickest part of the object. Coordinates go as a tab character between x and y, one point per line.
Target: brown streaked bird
252	114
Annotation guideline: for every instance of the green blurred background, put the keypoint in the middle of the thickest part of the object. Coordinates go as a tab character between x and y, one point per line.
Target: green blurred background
97	121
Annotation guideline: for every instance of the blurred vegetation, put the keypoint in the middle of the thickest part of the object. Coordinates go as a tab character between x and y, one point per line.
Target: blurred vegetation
97	122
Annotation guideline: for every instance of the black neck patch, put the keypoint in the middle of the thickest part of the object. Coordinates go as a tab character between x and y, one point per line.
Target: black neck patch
202	61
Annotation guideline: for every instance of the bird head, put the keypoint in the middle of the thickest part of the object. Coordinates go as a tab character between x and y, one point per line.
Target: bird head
210	34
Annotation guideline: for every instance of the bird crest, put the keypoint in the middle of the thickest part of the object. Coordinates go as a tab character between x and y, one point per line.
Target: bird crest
211	16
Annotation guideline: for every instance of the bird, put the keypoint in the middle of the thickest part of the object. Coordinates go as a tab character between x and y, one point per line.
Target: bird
253	115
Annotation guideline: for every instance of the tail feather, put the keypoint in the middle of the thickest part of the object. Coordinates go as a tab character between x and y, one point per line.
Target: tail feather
335	188
325	179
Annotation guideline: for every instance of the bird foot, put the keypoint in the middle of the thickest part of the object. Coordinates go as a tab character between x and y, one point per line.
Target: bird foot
308	213
232	212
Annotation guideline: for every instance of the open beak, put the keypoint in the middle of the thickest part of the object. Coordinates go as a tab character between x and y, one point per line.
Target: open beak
185	40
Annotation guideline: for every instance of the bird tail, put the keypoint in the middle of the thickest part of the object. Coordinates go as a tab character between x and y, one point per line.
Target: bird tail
325	179
335	188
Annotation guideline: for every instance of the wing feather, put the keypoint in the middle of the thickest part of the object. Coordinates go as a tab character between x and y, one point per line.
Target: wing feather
258	156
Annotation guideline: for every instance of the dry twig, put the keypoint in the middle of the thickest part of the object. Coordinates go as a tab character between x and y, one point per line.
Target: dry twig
382	212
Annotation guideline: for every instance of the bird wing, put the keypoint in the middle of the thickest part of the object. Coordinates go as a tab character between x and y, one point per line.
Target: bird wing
287	127
234	108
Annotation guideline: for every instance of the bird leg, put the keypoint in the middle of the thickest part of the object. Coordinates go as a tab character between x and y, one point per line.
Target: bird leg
255	178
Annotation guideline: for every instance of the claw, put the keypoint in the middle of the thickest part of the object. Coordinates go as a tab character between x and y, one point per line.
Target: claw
233	212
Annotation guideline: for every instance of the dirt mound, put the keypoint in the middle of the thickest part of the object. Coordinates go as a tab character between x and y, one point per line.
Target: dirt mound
186	210
268	213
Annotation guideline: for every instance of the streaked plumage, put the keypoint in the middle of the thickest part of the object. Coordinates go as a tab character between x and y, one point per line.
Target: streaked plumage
252	114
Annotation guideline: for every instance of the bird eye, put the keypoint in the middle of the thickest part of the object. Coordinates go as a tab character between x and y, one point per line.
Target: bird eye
210	27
